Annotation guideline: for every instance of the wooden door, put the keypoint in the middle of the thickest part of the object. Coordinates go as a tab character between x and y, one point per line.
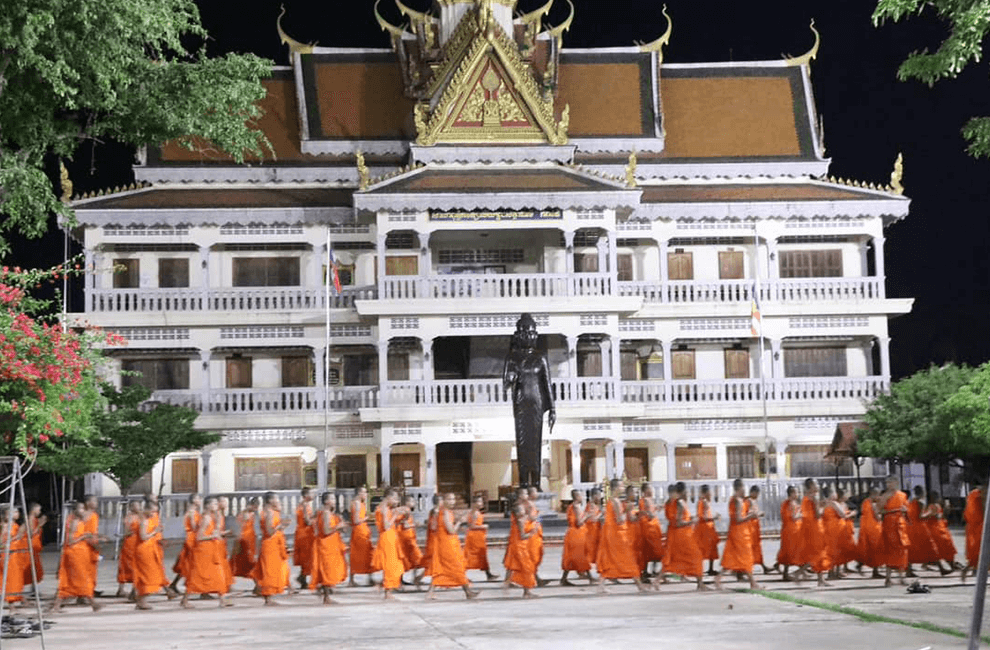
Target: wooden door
680	266
736	364
405	470
624	268
588	458
637	464
682	364
185	475
239	372
695	463
352	471
454	469
730	265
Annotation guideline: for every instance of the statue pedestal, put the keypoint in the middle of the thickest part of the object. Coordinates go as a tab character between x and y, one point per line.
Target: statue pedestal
544	503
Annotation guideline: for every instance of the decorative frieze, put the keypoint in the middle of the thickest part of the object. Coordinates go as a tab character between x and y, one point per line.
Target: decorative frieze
493	321
262	332
153	333
264	435
597	425
350	331
260	230
146	231
410	323
594	320
353	432
722	425
637	325
407	429
818	322
640	426
713	324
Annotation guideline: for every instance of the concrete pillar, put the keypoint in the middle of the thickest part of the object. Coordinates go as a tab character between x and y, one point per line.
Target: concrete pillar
575	462
571	342
606	350
204	390
569	251
776	358
89	272
664	270
204	277
773	264
371	460
321	354
781	458
321	470
613	253
722	463
431	466
671	462
609	460
380	261
205	487
864	257
602	246
382	362
616	356
620	458
878	258
884	344
668	370
387	464
425	258
427	346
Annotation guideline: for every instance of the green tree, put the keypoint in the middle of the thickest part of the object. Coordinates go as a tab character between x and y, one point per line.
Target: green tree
968	416
969	23
907	424
130	70
139	435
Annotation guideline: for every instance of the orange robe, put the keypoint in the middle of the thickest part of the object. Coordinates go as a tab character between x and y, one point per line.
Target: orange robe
271	572
302	545
39	570
519	561
650	534
93	528
191	523
755	536
922	549
431	525
75	566
575	556
705	533
894	553
683	555
814	547
974	526
448	565
870	536
594	528
634	532
208	567
387	557
738	553
245	550
329	553
616	556
125	561
476	546
839	539
536	541
149	567
939	530
412	557
790	536
15	572
361	548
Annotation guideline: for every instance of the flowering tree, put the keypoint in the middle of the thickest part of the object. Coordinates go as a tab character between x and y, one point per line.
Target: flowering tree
48	375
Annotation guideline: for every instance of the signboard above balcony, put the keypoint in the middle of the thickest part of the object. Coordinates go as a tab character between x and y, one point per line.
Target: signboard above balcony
501	215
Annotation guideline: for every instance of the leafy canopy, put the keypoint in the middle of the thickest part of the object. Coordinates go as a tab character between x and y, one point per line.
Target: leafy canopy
968	416
77	70
969	23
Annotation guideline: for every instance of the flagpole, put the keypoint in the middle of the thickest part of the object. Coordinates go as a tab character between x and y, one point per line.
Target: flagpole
326	368
763	379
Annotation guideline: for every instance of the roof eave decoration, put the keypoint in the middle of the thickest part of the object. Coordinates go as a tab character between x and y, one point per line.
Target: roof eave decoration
895	187
658	45
807	57
557	33
295	47
394	31
534	19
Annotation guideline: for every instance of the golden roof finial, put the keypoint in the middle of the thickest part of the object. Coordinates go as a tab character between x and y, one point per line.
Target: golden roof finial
897	175
810	54
364	176
558	31
563	125
386	26
65	182
658	45
294	45
631	170
537	15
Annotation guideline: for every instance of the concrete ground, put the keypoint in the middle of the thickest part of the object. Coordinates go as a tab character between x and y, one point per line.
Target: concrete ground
564	617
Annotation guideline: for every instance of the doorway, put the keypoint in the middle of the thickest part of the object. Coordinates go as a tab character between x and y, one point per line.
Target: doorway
454	469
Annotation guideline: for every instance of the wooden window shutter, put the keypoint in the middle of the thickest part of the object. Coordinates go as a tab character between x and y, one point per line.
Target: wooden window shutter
398	366
736	364
239	372
173	273
586	262
297	371
730	265
185	475
624	267
126	274
629	365
402	265
682	364
680	266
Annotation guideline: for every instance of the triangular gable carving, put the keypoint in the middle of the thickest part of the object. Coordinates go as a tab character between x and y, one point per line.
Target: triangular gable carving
490	97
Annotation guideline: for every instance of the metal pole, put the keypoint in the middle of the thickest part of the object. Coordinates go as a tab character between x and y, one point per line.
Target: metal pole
763	374
979	597
6	550
34	574
322	470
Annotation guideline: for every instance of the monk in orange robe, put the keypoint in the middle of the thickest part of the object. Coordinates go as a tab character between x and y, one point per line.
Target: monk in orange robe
738	554
75	565
650	531
149	567
575	557
616	556
35	523
934	518
9	527
476	542
361	548
839	538
208	566
387	556
302	546
536	541
520	564
329	550
94	539
125	561
448	565
757	535
633	531
790	533
593	523
432	523
683	557
246	548
814	547
868	548
412	557
921	547
190	521
973	514
271	572
893	510
704	529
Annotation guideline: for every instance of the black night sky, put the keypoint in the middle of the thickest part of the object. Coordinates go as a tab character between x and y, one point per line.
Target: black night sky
938	255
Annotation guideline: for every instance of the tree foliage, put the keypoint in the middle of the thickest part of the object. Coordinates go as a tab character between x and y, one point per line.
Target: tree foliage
968	415
969	23
130	70
908	424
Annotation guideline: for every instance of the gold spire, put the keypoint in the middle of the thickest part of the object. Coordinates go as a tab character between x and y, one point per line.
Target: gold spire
810	54
558	31
295	47
65	182
658	45
537	15
897	175
631	170
363	175
386	26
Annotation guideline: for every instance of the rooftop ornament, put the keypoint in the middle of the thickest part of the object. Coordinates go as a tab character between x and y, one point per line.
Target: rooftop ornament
295	47
806	58
658	45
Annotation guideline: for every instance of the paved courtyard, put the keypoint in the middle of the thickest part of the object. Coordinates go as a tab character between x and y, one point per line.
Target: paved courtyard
561	618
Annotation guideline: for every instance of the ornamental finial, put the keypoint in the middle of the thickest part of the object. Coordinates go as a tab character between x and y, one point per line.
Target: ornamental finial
364	176
810	54
897	175
65	182
631	170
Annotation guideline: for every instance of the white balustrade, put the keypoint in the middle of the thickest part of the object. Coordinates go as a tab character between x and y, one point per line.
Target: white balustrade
490	391
272	400
512	285
222	299
735	291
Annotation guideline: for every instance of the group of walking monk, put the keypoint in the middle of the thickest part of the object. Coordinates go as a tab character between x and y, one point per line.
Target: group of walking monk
620	537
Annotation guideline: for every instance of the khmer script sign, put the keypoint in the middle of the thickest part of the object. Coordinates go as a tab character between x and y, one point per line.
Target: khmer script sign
501	215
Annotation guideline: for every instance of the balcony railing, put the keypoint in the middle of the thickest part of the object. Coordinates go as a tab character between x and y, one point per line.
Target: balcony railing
481	392
222	299
749	390
271	400
539	285
734	291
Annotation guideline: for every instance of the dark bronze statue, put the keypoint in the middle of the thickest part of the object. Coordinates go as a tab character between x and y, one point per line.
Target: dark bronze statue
527	376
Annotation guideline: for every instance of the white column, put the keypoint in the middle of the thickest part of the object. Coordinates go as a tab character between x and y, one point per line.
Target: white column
431	466
776	359
773	265
664	269
382	362
722	462
205	487
204	389
569	251
864	257
427	347
372	465
620	458
321	470
320	365
613	252
425	257
616	356
387	465
781	458
204	273
671	462
575	462
609	460
884	344
380	261
606	351
571	342
878	259
668	370
602	246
